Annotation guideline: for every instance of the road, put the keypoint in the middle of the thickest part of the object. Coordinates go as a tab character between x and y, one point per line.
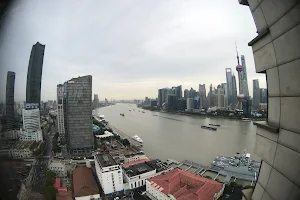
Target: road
41	164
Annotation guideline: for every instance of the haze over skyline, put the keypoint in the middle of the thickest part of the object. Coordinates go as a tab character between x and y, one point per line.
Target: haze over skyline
131	48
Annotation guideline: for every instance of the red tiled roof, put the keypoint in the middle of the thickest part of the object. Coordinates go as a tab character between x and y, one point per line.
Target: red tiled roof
57	183
64	196
135	162
185	185
84	183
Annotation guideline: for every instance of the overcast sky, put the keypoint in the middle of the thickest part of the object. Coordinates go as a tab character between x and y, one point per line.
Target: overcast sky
130	47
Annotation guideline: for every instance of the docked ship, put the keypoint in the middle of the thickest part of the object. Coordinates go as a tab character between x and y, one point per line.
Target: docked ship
137	138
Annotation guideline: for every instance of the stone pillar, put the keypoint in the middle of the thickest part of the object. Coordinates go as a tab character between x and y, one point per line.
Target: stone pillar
276	52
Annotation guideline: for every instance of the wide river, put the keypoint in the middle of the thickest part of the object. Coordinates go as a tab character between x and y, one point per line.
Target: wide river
181	137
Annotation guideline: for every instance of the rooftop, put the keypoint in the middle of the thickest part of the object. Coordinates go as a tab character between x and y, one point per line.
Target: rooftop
64	196
22	144
84	183
135	162
141	168
184	185
105	160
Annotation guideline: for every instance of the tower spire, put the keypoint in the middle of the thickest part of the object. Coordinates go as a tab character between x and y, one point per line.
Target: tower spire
237	54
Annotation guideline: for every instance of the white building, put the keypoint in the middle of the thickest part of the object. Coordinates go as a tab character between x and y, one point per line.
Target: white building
109	174
136	175
189	104
31	125
58	167
21	149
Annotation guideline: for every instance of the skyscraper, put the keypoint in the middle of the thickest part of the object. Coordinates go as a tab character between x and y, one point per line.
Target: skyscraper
34	74
256	94
186	93
96	101
179	92
245	80
78	91
239	69
229	85
193	93
263	95
60	112
234	92
10	100
225	88
202	95
220	97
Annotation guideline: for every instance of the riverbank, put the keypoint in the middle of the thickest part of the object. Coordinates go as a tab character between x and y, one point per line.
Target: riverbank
203	115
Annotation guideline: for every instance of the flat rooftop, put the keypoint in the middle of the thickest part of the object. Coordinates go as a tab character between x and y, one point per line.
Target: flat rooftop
144	167
22	144
105	160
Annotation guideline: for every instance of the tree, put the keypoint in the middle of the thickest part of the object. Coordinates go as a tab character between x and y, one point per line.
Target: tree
50	178
126	142
49	192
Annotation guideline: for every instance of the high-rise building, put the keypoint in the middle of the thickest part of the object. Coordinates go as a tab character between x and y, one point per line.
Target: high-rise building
34	74
78	120
245	80
234	92
229	85
202	95
178	91
220	97
96	101
239	69
211	96
60	113
193	93
172	102
10	88
202	91
225	88
263	95
163	95
186	93
246	106
190	104
256	94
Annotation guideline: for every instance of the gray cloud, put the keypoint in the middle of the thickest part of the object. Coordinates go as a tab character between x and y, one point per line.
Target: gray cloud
131	48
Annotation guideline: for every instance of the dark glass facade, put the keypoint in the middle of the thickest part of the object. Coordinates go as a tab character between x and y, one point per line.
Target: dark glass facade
34	74
10	88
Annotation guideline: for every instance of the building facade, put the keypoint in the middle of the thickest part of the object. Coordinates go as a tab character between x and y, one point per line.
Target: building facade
256	94
109	174
228	72
31	124
234	92
60	113
245	79
10	100
276	53
34	74
78	115
190	104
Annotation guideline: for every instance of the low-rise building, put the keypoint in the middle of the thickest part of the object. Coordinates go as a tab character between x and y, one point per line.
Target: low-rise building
134	157
109	174
22	149
136	175
58	167
179	184
84	184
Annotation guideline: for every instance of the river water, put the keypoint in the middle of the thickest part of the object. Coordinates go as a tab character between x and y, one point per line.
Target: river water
181	137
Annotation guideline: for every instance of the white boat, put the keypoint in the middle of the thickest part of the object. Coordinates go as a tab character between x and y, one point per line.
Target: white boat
137	138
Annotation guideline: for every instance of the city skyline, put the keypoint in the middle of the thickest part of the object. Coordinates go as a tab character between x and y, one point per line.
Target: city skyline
180	45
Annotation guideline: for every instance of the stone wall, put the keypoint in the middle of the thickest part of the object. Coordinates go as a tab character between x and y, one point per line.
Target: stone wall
276	52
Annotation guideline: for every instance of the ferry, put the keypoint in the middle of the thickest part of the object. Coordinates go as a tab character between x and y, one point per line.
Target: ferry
122	114
246	120
214	125
137	138
210	128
